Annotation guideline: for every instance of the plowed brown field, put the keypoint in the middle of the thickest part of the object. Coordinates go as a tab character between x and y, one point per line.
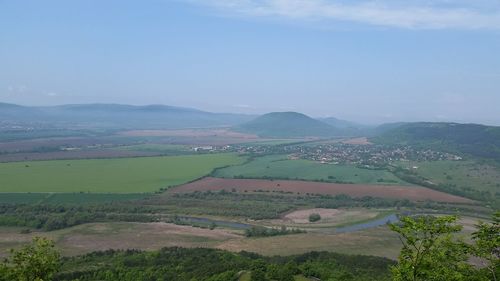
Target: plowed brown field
414	193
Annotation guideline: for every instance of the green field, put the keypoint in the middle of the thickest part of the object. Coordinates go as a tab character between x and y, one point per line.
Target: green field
123	175
461	175
280	167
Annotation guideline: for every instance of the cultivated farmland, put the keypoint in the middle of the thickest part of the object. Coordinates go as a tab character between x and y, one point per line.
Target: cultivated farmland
280	167
124	175
413	193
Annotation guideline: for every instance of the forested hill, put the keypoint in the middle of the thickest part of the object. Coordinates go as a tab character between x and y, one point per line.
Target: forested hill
287	125
472	139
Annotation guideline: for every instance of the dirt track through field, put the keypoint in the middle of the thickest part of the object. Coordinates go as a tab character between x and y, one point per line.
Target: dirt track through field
413	193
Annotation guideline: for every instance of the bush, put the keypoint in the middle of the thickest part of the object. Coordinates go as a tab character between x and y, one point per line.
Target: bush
314	217
260	231
36	261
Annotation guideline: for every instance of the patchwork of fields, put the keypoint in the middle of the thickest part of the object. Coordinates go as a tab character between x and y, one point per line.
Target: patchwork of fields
265	198
124	175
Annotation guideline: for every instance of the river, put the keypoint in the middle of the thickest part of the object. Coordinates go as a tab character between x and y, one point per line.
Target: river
242	226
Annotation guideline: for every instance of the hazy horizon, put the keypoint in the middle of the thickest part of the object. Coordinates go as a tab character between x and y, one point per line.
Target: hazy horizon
368	123
365	61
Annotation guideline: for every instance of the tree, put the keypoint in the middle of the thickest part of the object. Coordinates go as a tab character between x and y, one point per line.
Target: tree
258	275
38	261
259	269
314	217
280	273
487	247
430	252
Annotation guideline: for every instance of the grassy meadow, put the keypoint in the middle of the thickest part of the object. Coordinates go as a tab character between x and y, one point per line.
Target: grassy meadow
152	236
91	237
122	175
462	174
279	167
377	242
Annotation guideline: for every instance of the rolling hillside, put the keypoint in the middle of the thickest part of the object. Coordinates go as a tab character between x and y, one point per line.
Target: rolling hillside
287	124
339	123
472	139
347	128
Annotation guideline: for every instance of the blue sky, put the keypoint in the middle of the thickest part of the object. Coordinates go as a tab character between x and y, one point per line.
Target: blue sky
367	61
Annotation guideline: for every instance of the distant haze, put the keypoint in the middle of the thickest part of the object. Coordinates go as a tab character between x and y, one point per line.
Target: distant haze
321	58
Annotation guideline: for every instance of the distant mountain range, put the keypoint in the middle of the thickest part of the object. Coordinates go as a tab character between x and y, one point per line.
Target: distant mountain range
120	116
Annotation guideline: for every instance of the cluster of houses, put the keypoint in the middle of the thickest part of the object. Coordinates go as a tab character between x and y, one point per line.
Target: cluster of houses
370	155
341	153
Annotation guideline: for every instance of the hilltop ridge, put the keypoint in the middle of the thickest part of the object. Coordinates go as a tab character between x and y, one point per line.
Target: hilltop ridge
473	139
287	124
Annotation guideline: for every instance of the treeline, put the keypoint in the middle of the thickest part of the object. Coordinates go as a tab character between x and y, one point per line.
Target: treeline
260	231
331	179
262	204
216	265
268	204
52	217
252	205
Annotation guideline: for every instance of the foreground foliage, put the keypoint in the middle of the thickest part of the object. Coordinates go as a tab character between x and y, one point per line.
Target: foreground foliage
432	251
40	262
487	246
36	262
215	265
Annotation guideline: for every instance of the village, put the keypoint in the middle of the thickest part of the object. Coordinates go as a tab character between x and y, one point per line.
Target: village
368	156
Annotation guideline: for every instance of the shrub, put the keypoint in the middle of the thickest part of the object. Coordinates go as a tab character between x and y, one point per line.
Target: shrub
314	217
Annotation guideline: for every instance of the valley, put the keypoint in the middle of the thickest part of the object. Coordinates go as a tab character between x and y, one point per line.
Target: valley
232	190
254	140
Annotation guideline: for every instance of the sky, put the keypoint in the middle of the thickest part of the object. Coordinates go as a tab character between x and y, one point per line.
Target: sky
369	61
